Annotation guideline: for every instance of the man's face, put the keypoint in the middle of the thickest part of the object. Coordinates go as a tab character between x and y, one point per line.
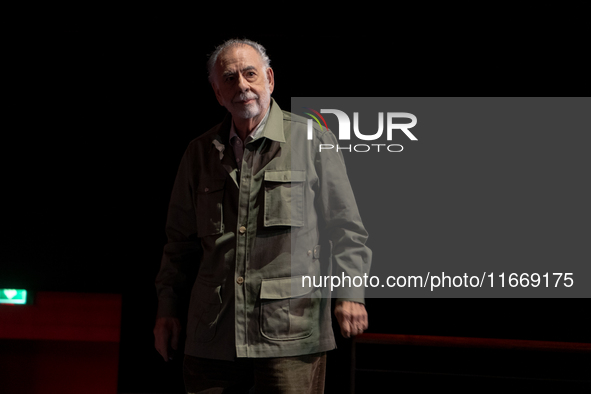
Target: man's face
240	82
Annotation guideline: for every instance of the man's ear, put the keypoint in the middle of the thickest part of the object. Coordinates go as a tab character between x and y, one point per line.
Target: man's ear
271	79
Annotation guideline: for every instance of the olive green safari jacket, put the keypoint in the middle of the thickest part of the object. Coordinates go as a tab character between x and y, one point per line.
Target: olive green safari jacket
241	240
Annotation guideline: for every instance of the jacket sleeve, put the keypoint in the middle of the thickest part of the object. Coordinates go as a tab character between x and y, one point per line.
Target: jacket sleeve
343	226
182	252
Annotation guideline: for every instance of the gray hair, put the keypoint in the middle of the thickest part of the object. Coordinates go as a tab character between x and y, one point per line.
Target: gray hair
232	43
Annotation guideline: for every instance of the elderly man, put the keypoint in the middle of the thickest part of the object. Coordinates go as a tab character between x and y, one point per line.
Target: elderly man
255	206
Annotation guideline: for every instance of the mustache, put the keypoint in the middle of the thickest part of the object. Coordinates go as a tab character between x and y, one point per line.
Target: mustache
245	96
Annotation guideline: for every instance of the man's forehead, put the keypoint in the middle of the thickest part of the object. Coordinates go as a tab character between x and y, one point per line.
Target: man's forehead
240	56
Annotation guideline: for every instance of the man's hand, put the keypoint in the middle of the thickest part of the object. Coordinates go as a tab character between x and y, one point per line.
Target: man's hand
352	318
166	334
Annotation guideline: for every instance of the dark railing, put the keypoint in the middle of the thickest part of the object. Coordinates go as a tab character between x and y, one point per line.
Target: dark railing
453	343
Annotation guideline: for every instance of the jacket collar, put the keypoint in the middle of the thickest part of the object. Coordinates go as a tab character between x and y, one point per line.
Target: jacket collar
273	130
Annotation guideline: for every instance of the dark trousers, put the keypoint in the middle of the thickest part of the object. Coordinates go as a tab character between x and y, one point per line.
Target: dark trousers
290	375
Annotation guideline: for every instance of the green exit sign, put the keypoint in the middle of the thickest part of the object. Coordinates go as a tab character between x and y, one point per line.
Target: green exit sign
13	296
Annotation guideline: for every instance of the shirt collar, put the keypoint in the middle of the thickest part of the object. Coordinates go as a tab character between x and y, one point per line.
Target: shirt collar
253	135
273	129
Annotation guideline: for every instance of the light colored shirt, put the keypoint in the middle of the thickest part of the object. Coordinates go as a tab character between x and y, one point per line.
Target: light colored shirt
238	144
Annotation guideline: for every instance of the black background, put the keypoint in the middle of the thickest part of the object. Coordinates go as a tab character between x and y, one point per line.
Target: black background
100	111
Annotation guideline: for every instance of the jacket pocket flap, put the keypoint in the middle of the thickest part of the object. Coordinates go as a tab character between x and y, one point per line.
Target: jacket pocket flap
281	288
218	295
285	175
210	185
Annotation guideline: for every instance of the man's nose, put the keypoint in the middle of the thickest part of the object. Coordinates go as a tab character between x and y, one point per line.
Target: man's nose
243	84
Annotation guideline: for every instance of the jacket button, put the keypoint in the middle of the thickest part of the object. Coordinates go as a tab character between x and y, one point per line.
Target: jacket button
206	189
242	229
240	280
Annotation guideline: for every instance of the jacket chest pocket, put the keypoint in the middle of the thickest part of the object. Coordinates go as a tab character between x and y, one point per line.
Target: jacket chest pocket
284	198
209	207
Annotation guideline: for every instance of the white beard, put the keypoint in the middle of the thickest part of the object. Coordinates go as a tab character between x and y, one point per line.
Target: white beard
253	109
